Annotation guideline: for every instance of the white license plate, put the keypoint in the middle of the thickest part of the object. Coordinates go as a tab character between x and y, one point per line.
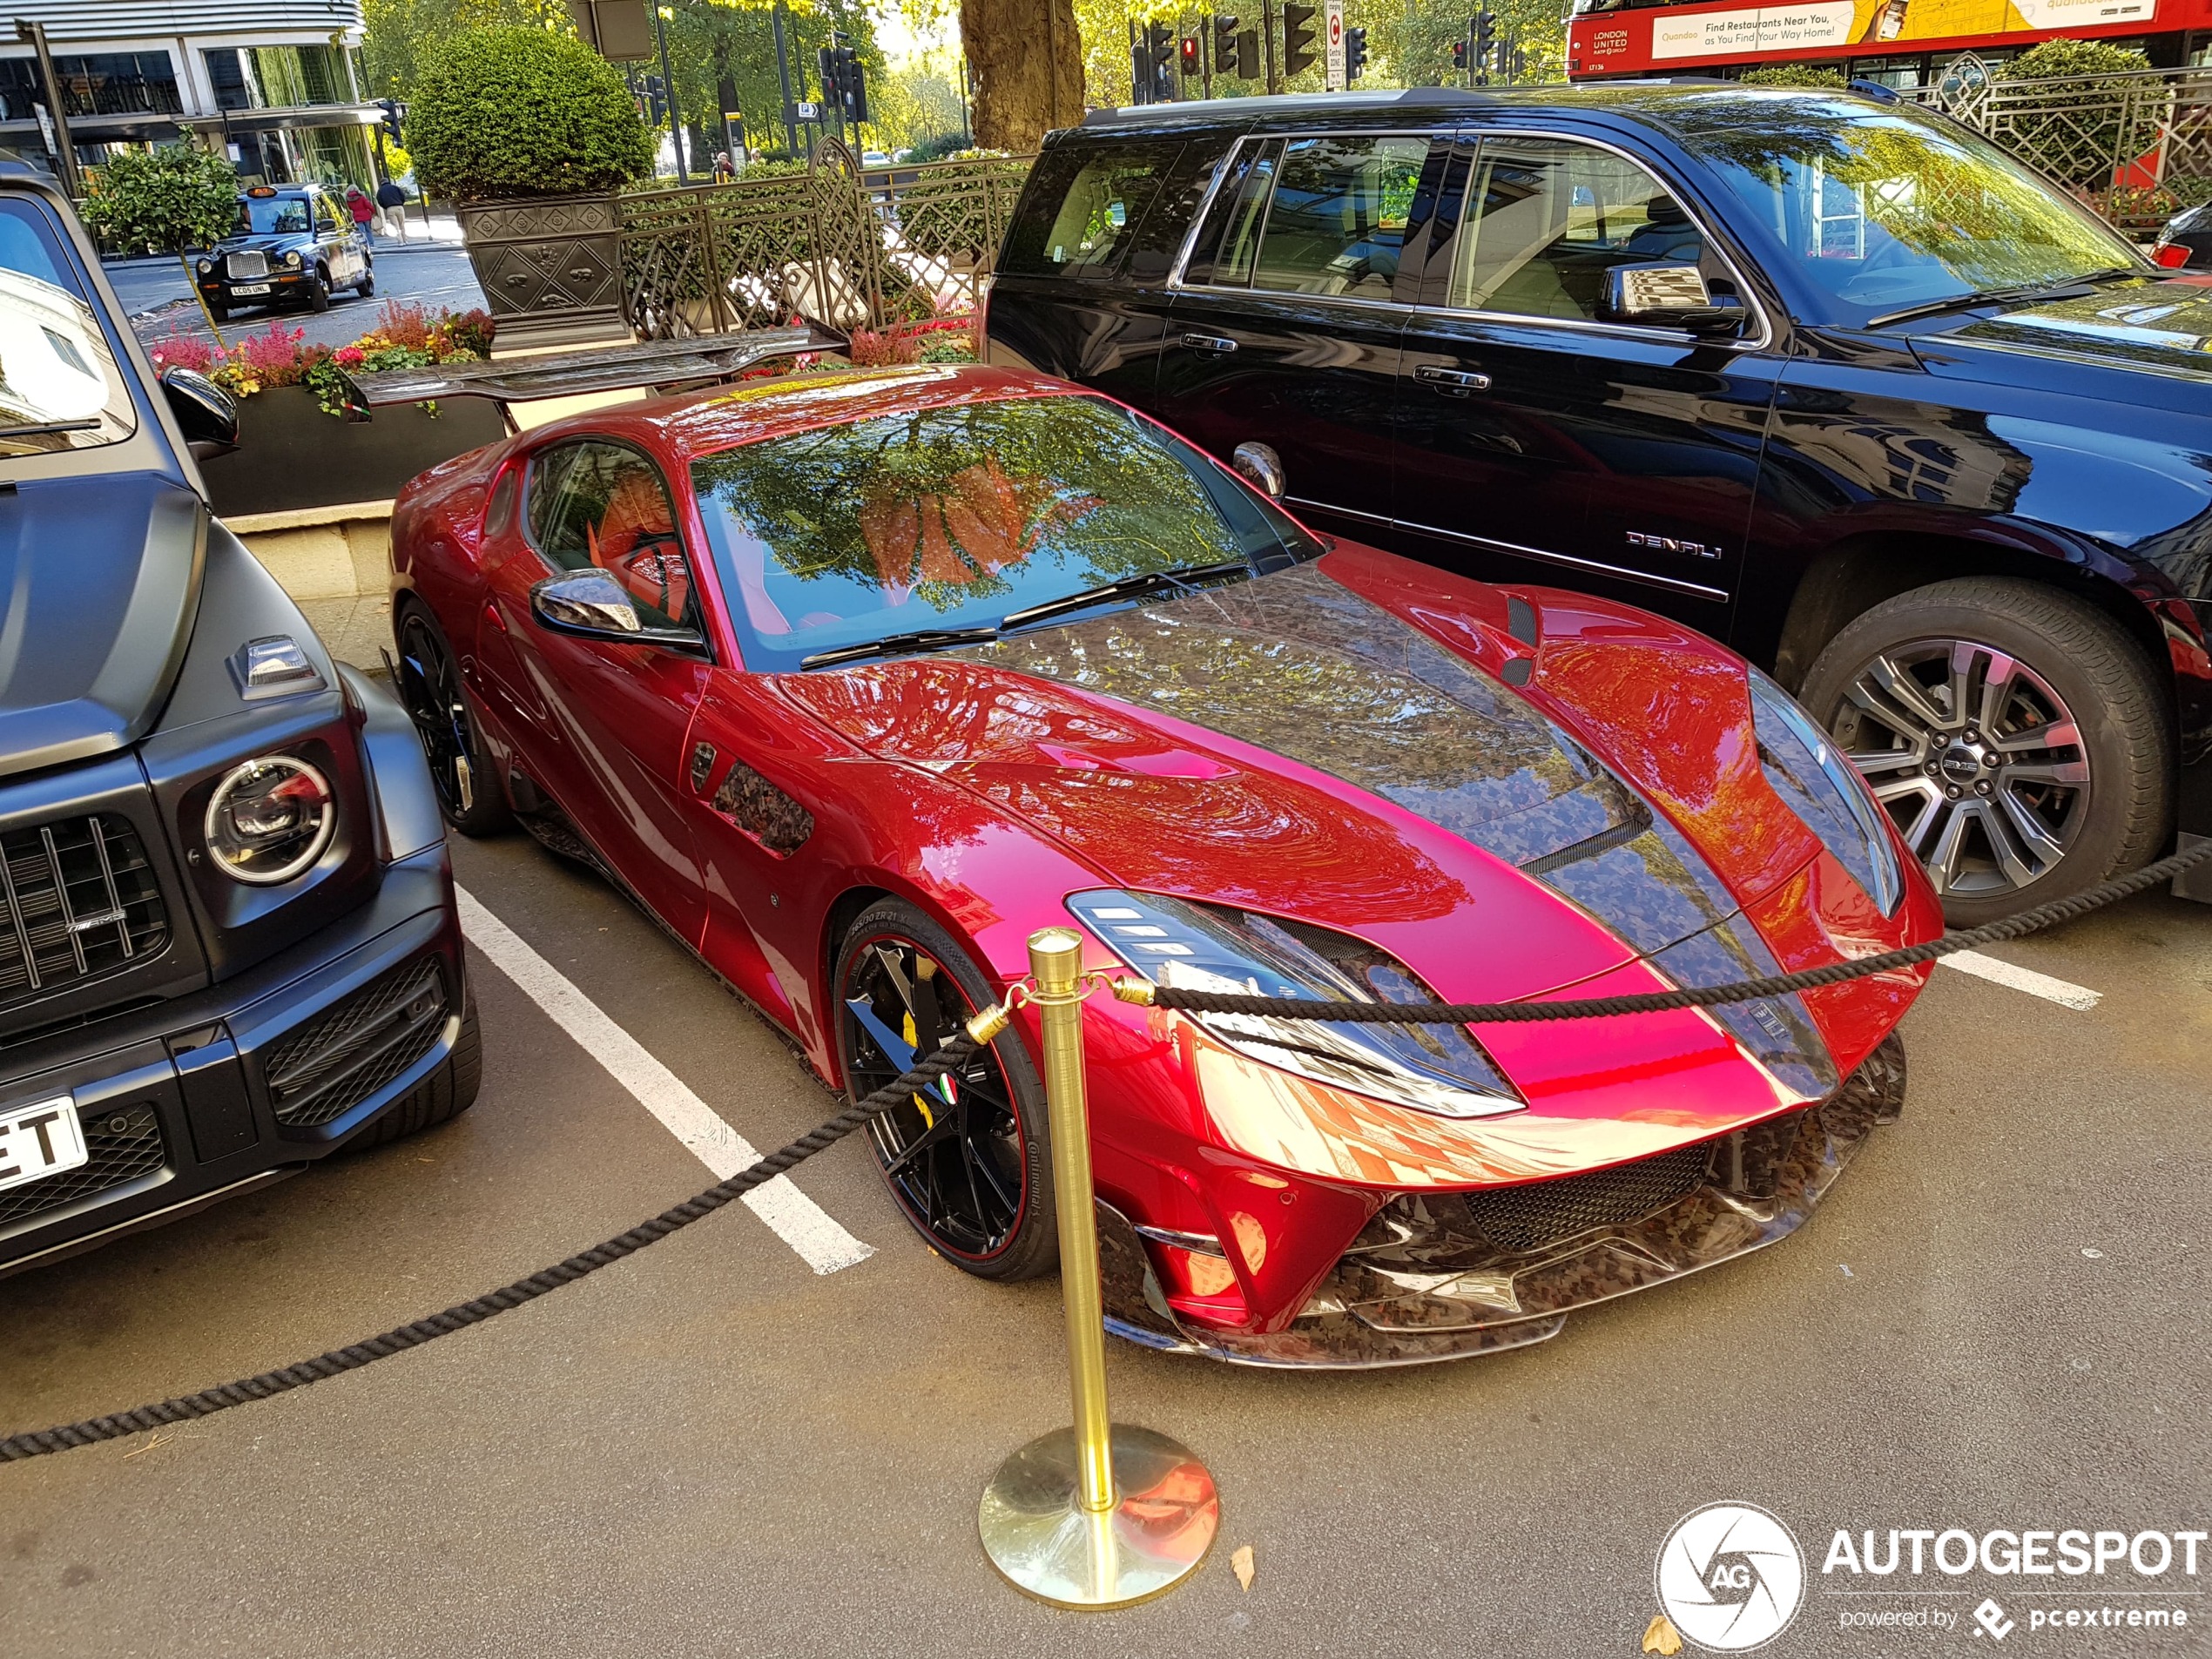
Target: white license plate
39	1141
249	287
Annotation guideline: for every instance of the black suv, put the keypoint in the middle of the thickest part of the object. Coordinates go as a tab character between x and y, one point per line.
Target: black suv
1824	375
295	245
228	942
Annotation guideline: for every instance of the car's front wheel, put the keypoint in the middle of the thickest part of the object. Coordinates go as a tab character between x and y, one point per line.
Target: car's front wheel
2017	737
966	1160
470	793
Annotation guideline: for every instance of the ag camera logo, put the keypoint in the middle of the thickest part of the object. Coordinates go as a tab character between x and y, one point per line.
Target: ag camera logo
1731	1577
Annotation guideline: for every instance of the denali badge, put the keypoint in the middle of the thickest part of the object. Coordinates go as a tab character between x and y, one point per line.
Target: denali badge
1674	544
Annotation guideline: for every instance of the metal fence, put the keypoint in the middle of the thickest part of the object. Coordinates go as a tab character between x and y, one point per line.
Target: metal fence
834	245
2137	146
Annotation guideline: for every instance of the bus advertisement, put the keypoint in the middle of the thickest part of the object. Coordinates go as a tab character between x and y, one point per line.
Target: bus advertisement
1613	38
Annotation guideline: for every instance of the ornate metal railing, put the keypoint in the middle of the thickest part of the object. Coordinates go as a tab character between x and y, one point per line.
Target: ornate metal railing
832	245
2135	146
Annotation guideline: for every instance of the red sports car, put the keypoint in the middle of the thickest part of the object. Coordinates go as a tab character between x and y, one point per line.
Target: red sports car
854	680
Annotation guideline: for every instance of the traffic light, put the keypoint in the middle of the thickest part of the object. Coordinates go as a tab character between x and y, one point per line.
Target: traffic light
656	102
1460	48
1226	58
1485	42
852	84
1355	54
1298	37
391	122
1193	54
1159	54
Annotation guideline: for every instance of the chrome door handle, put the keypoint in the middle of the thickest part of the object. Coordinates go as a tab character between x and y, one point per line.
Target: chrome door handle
1208	342
1453	382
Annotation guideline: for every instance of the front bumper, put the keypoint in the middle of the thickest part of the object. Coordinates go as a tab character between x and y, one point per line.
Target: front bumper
271	290
231	1087
1443	1276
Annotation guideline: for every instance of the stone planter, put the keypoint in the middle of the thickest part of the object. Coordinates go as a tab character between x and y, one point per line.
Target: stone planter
551	267
292	456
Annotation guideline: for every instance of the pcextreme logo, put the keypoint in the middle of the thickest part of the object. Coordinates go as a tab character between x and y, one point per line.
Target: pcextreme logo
1730	1576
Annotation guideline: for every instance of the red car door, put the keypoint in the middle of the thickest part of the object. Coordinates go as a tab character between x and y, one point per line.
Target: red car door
601	725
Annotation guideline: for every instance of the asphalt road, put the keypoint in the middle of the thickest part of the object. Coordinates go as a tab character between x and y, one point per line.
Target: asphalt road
1997	1321
158	298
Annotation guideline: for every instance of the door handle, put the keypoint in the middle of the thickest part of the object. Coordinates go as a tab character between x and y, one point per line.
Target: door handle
1453	382
1209	342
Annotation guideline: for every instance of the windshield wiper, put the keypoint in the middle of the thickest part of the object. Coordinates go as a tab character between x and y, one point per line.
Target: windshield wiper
2067	288
1129	587
890	644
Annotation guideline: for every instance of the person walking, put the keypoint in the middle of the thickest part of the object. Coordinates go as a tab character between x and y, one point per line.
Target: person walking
364	213
392	200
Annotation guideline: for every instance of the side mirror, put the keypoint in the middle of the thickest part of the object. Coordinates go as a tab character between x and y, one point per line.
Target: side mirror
1261	467
204	412
1664	296
591	605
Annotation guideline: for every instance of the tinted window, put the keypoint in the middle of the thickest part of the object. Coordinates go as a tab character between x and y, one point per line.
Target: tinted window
1083	209
605	504
1545	220
954	516
273	215
1223	255
1337	218
59	386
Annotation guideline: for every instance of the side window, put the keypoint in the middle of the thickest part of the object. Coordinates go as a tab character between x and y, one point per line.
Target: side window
325	215
1546	218
605	504
1337	218
1223	255
1084	208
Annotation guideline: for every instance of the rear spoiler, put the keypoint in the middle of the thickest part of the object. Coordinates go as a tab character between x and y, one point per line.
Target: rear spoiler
604	369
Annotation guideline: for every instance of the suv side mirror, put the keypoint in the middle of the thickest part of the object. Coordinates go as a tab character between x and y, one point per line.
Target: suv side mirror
1664	296
204	412
591	605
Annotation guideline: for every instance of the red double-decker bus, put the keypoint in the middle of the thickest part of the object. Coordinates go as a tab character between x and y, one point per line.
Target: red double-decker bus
1902	44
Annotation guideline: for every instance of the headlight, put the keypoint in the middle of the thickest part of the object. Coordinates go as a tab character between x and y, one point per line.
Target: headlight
270	820
1805	767
293	259
1431	1068
206	265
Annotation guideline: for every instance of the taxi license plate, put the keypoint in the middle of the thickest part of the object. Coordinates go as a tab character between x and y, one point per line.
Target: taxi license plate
249	287
39	1141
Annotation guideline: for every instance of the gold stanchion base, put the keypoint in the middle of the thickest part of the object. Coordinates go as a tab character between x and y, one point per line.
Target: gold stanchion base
1152	1538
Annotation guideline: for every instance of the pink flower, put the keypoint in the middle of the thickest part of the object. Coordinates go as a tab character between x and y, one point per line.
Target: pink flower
349	356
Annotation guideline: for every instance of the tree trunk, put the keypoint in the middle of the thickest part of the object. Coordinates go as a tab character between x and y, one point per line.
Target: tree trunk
1025	63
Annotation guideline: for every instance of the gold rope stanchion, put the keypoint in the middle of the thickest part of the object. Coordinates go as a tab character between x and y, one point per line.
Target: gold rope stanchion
1101	1515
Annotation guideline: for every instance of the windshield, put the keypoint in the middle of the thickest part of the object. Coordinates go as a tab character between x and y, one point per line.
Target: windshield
953	517
273	215
1883	209
58	384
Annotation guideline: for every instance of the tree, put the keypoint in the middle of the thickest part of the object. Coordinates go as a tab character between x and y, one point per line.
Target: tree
403	34
520	111
1025	68
1797	75
174	198
2081	133
917	104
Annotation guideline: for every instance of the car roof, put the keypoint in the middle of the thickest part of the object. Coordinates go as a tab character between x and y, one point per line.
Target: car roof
1649	99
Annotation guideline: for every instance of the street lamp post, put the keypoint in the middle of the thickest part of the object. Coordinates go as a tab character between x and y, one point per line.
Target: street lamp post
65	151
668	80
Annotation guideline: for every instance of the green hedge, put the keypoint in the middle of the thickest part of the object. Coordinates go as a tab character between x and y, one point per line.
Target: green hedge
504	112
1796	75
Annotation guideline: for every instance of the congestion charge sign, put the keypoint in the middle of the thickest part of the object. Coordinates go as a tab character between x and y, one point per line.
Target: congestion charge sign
1333	71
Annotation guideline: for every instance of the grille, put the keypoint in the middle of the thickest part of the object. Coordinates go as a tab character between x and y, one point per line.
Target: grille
124	1144
249	263
324	1068
81	899
1544	1212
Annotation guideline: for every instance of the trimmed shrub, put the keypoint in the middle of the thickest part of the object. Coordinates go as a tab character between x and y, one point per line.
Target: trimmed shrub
167	199
1797	75
2085	131
2057	59
507	112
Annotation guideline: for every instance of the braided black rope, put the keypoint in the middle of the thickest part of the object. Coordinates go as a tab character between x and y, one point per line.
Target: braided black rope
1291	1008
338	1361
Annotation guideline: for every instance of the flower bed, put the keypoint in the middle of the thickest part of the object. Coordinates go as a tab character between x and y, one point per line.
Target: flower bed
291	457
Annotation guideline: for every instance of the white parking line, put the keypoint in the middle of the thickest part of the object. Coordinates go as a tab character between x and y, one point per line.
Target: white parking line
2064	993
796	1219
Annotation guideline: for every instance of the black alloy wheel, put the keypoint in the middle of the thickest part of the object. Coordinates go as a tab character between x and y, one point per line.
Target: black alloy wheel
430	687
318	290
2013	734
966	1162
367	286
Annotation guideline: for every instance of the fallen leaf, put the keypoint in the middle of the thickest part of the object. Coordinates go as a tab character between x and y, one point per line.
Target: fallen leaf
1661	1637
156	1439
1240	1562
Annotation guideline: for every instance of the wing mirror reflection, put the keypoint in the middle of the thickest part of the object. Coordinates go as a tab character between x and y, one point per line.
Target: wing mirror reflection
206	413
1261	467
591	605
1665	296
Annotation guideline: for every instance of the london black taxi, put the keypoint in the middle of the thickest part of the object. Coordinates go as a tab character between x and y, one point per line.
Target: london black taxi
228	940
295	245
1827	375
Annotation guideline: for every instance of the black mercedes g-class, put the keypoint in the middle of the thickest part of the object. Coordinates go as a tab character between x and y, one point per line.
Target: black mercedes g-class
1825	375
228	939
